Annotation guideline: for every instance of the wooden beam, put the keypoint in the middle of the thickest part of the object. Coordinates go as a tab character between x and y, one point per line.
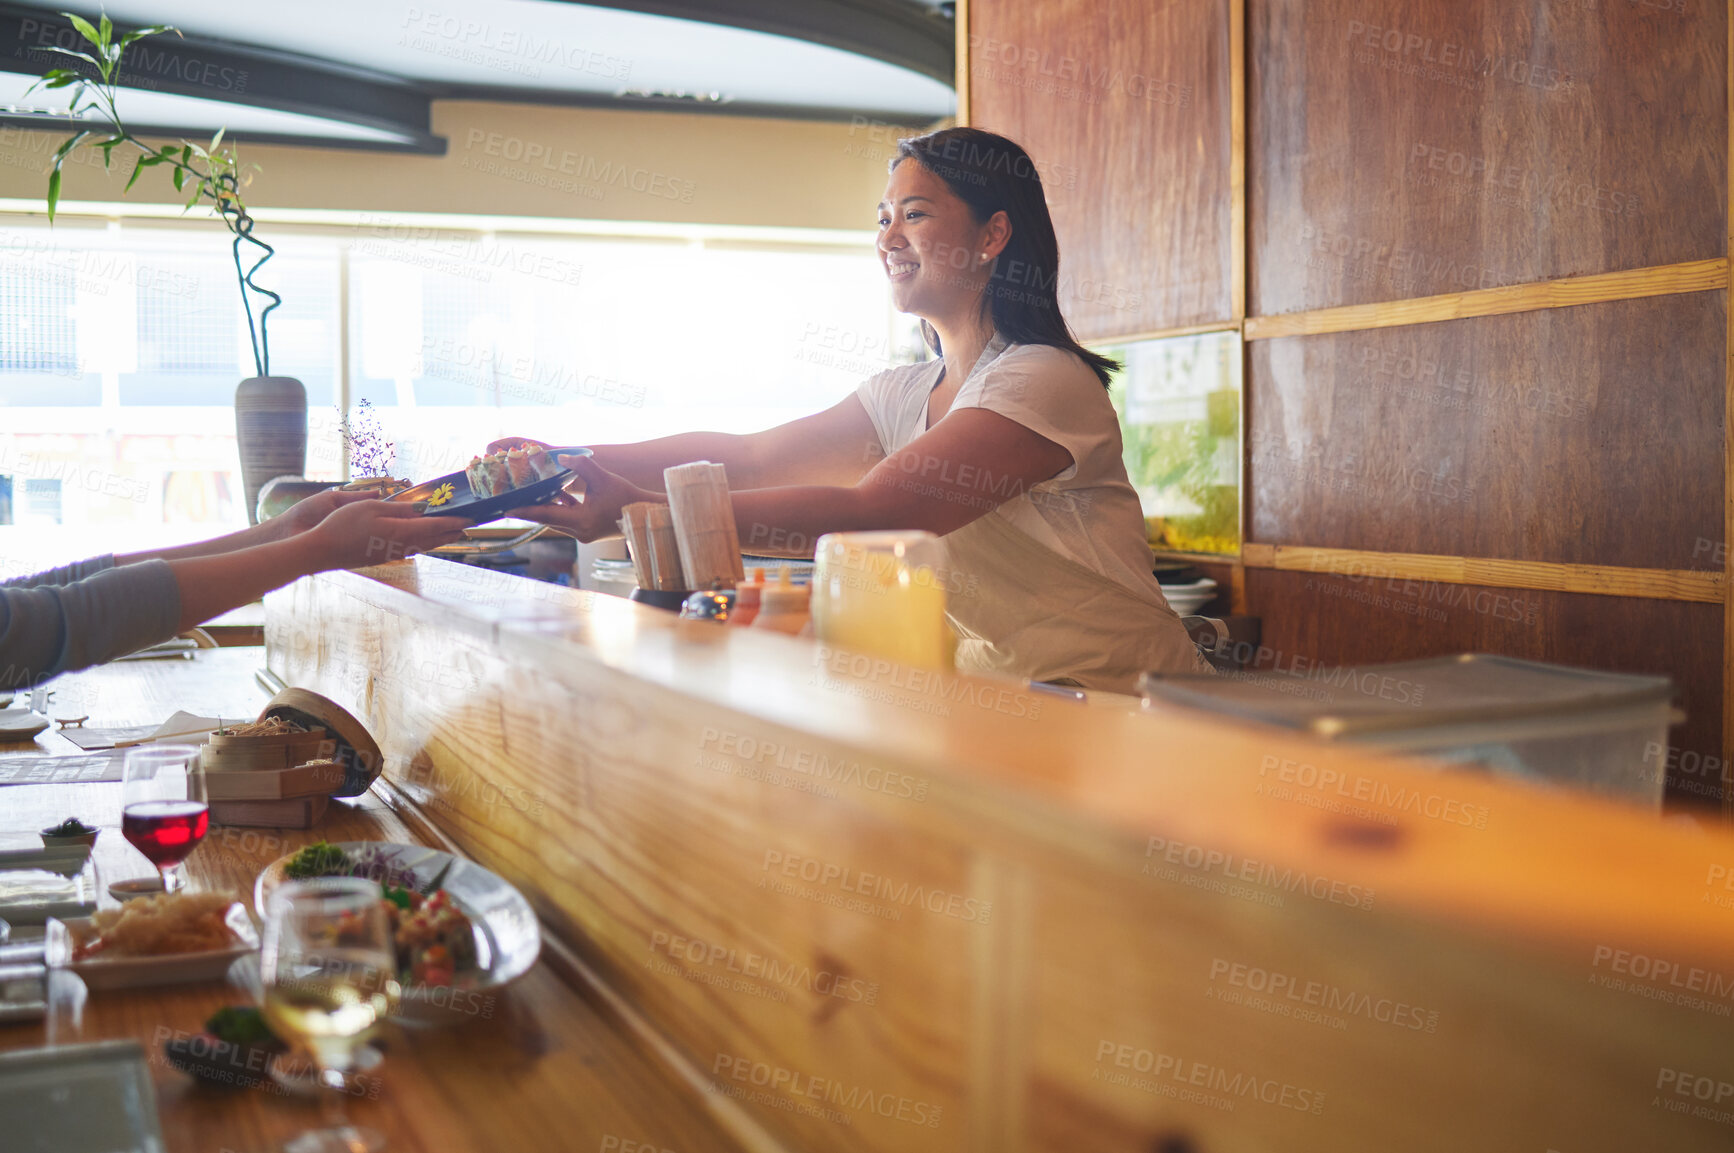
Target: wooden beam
1237	266
1600	580
1240	265
961	19
1728	467
1167	333
1567	292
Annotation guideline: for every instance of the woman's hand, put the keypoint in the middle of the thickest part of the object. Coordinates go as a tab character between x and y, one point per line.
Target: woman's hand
597	514
370	532
307	513
512	442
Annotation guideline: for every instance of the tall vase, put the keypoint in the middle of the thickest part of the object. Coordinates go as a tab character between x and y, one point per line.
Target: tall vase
271	433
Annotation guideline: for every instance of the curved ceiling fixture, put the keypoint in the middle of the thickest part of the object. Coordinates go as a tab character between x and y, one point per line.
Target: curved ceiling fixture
348	74
192	85
904	41
918	36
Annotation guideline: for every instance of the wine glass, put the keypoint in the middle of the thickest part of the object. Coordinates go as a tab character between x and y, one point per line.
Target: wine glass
163	808
329	969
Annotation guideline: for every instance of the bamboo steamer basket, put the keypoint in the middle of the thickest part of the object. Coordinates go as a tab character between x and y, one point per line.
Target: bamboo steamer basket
332	734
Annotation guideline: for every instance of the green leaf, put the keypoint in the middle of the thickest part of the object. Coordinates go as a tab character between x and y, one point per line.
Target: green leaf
107	29
84	27
141	33
218	138
180	178
84	56
70	143
53	192
186	154
136	170
194	198
107	147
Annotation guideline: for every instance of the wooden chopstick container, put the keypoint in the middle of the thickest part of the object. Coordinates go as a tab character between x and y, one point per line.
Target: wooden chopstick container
635	527
666	569
704	524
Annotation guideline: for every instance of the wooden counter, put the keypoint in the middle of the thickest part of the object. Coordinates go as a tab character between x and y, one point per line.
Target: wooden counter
541	1069
889	911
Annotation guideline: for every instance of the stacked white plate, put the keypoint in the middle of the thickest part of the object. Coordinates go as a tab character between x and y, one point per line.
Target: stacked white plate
1189	598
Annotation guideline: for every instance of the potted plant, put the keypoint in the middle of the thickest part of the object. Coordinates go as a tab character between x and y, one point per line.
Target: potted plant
270	411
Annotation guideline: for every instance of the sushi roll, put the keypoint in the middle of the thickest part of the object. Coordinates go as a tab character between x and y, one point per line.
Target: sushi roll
478	478
498	480
518	468
543	462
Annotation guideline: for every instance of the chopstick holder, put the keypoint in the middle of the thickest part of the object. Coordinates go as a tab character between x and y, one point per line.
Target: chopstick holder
666	571
704	524
636	529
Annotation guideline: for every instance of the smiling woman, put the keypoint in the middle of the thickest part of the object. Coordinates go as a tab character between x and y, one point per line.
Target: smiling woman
1006	446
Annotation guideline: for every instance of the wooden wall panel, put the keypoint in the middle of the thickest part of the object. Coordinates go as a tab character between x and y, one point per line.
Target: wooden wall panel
1588	435
1355	618
1124	105
1409	149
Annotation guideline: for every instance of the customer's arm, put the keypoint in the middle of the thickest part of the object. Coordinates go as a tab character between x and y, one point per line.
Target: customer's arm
51	629
302	516
305	514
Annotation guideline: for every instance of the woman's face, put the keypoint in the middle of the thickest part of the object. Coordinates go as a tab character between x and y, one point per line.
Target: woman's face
935	253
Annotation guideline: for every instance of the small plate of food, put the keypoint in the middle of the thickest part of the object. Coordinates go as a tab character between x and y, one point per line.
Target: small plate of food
460	930
495	484
235	1049
170	939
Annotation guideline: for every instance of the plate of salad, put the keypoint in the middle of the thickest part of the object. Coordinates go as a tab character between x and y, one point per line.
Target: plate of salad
460	931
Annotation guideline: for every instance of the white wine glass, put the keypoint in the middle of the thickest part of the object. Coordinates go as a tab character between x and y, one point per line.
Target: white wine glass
329	970
164	810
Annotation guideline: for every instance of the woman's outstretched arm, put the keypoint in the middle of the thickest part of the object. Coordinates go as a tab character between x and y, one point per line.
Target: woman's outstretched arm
964	467
836	446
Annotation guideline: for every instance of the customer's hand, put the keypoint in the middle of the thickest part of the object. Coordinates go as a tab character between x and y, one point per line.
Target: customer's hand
305	514
596	513
373	532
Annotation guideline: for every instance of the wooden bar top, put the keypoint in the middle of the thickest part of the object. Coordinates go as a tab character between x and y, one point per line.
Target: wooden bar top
544	1068
883	909
1506	857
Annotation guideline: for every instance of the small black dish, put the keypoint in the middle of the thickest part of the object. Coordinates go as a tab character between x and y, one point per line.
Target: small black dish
218	1062
235	1049
670	599
1173	573
460	501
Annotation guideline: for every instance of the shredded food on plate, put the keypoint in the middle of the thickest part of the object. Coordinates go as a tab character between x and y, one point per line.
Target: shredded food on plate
162	925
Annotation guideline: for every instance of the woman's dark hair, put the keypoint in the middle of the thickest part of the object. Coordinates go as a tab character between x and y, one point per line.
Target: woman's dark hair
992	174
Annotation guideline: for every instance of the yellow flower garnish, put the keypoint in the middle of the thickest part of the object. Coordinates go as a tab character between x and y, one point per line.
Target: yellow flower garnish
440	495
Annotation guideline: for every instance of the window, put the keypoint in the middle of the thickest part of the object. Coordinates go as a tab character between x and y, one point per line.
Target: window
1179	406
41	292
124	344
41	502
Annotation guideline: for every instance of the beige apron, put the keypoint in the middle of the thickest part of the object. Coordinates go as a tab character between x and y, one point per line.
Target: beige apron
1037	614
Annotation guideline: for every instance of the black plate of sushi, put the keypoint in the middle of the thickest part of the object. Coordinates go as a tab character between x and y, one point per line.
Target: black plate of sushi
496	484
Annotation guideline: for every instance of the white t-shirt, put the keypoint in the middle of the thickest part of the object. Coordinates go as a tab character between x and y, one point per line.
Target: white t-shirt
1089	513
1040	616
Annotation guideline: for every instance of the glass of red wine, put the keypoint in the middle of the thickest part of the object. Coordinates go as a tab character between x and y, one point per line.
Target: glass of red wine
163	807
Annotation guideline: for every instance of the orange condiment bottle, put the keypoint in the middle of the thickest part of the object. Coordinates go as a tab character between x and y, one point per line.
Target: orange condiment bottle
747	598
782	606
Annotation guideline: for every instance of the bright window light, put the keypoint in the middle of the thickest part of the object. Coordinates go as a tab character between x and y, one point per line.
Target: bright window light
123	344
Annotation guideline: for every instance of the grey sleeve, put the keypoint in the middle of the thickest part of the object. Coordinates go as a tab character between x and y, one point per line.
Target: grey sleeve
64	575
58	628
